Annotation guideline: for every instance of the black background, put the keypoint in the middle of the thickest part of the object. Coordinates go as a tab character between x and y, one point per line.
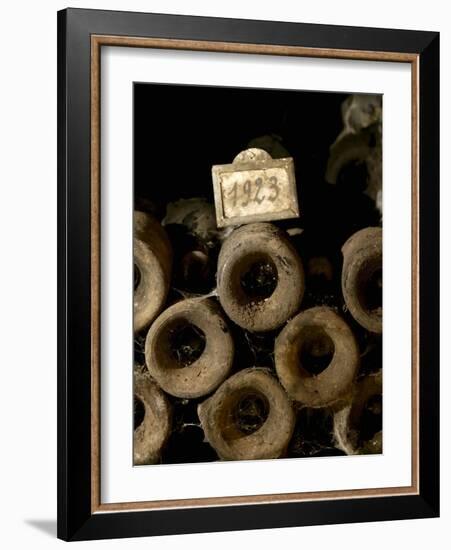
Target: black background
181	131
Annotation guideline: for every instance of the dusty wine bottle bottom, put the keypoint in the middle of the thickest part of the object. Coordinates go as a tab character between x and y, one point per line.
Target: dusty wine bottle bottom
189	350
362	277
358	425
248	417
152	419
260	277
151	269
316	357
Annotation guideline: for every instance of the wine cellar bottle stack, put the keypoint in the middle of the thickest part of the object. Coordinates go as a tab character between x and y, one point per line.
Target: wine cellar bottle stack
258	304
195	371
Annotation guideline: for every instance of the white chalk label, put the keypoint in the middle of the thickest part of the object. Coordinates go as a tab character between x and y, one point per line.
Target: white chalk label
245	194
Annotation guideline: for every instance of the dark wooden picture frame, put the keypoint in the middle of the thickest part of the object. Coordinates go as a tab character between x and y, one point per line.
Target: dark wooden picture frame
81	35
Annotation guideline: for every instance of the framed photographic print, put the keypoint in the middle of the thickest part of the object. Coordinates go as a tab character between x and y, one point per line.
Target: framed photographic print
248	274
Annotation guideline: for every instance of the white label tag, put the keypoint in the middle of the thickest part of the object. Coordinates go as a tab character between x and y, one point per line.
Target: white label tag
255	191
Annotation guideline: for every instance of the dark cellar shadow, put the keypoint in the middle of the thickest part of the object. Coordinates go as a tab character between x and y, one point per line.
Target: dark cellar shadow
46	526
